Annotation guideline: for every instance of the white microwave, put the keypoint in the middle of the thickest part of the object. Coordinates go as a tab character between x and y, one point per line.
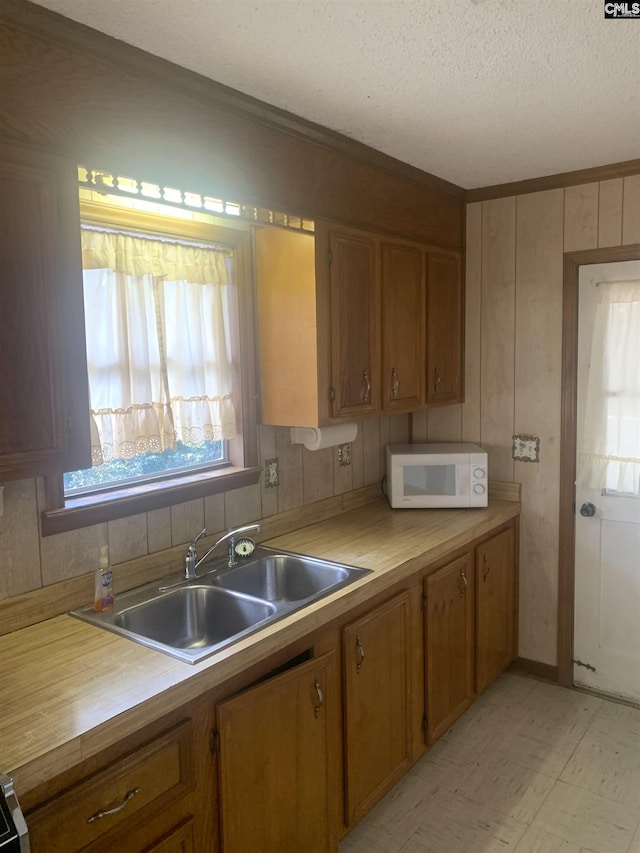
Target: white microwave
424	476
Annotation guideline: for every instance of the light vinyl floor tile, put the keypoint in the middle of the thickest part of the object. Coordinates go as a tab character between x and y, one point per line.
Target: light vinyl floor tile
558	716
479	724
536	840
459	825
508	788
588	819
543	757
448	764
508	691
477	788
614	774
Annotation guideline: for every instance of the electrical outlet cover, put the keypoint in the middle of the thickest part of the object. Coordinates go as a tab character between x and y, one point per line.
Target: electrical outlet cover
526	448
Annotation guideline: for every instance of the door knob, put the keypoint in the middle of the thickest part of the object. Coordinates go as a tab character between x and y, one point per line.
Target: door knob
588	510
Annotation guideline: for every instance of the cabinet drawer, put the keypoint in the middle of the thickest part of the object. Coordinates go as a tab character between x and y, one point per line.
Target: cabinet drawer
133	788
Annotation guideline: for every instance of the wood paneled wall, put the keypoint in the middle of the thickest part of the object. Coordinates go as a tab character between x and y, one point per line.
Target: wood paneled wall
312	485
514	262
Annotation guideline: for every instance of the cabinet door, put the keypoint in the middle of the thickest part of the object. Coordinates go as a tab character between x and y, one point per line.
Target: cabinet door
274	759
403	321
354	288
44	409
377	702
496	607
444	329
449	653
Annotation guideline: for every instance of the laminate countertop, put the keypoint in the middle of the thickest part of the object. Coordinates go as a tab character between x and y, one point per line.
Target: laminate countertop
70	689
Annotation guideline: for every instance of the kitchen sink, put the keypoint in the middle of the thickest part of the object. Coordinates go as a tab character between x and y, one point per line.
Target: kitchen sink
192	619
283	577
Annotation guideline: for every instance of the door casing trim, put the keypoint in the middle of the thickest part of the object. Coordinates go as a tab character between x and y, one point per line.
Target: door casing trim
566	558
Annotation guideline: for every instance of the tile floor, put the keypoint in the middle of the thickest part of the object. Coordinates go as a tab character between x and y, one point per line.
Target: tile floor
529	768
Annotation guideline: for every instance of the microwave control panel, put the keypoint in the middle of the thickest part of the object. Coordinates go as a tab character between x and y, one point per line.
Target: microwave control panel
478	490
478	484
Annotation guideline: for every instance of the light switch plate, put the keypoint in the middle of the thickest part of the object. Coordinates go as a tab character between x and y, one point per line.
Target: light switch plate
526	448
271	473
344	455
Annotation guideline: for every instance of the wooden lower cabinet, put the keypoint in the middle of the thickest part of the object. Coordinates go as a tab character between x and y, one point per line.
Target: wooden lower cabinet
377	703
449	644
274	758
143	800
496	590
311	743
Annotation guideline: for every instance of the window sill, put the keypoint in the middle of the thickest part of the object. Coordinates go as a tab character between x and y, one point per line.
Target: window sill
86	511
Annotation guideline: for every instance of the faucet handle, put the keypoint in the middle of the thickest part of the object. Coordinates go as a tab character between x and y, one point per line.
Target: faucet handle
202	533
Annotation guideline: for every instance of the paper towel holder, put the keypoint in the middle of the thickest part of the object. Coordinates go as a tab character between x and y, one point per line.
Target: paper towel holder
317	438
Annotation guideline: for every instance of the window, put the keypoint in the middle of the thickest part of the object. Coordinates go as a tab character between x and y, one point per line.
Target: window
169	328
158	339
610	455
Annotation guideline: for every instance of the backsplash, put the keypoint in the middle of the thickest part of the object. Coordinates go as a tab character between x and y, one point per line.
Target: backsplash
29	562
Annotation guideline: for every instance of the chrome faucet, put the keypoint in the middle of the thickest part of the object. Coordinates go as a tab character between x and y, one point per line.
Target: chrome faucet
191	561
190	557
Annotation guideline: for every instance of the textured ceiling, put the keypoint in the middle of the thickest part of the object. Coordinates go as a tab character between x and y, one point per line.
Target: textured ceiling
478	92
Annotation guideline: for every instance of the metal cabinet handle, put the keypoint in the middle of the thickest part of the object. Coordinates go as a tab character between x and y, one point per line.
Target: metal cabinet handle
436	378
360	650
463	586
319	698
487	568
395	383
106	812
367	386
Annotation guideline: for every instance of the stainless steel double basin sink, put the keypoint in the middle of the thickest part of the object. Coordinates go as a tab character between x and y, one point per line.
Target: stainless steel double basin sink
191	620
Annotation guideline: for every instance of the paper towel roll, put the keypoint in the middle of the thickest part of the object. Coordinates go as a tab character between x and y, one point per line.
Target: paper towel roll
316	438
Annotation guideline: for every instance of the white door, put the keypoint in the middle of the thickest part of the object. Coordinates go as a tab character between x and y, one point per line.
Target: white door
607	534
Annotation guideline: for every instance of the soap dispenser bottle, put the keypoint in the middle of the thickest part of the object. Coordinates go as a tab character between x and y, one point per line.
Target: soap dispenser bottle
103	599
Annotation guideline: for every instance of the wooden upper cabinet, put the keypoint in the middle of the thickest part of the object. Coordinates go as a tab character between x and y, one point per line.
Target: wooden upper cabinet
496	628
403	311
354	300
352	324
444	329
289	343
44	408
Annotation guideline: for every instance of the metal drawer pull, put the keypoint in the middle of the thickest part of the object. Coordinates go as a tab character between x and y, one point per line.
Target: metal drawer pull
360	650
367	387
463	587
128	796
320	696
395	383
436	379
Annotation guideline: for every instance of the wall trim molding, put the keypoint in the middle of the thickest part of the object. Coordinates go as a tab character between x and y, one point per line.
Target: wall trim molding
535	669
52	26
568	416
552	182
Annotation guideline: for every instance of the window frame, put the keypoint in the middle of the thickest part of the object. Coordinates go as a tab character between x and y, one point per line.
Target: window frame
59	515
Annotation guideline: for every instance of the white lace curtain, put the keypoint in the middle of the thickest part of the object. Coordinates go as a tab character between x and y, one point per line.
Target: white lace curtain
158	344
610	453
